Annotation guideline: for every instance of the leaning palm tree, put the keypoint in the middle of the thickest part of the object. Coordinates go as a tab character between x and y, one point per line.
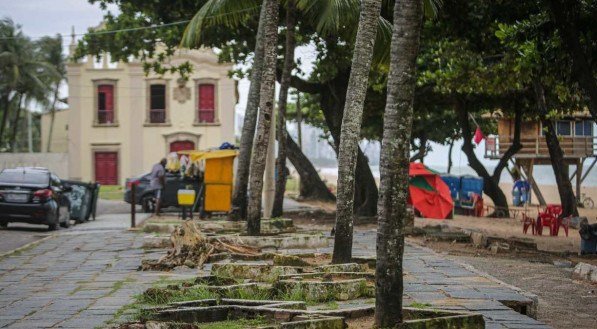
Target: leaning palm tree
394	164
266	109
351	128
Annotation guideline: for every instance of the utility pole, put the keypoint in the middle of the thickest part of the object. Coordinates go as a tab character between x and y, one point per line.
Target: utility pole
299	119
269	182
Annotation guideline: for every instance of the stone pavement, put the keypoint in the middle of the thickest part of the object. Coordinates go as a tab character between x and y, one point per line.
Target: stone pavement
81	277
77	279
432	279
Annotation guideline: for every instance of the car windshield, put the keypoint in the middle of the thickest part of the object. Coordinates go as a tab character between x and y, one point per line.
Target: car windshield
24	177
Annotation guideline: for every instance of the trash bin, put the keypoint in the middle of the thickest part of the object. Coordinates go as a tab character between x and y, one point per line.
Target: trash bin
83	200
588	236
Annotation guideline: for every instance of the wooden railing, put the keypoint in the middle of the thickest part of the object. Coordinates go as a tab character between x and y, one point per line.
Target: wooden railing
572	146
105	117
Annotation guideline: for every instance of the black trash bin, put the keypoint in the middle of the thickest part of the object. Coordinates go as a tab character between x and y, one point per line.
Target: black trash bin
588	236
83	200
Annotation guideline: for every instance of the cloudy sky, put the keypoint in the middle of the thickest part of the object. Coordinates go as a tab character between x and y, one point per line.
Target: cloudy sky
49	17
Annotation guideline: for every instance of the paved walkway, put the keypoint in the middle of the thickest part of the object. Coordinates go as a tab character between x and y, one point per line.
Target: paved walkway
81	277
76	279
432	279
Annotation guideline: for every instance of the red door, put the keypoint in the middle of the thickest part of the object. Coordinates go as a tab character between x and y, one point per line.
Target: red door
181	146
106	168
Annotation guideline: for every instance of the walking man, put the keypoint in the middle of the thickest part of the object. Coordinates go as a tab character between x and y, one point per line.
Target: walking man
158	182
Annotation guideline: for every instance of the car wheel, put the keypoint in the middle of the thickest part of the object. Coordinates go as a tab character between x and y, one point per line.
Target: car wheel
66	222
52	227
147	204
3	224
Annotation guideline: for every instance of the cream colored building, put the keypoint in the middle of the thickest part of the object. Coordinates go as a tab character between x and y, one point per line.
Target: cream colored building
121	122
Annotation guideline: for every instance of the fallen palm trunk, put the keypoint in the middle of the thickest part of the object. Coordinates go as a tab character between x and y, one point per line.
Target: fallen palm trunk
192	248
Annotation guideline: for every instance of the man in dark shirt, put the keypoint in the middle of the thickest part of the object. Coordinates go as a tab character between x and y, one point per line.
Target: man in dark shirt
158	182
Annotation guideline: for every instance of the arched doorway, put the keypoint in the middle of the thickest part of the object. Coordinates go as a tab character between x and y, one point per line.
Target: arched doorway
182	146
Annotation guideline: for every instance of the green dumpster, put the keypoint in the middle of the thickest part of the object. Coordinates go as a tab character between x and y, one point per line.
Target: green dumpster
83	200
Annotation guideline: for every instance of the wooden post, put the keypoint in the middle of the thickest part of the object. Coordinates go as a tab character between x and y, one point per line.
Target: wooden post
133	202
579	164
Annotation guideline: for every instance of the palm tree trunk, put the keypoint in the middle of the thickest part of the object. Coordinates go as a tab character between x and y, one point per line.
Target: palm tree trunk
6	107
52	117
239	197
556	155
15	127
397	128
351	128
266	107
282	101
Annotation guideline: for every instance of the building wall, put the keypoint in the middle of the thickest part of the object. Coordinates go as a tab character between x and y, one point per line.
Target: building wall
59	133
55	162
140	144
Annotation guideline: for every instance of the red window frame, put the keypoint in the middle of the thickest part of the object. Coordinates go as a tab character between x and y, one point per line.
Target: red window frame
206	103
105	104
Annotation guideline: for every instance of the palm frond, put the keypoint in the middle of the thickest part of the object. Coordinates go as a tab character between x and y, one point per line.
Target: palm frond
228	13
431	7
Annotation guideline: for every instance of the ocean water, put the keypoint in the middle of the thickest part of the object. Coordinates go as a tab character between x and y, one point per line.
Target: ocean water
543	174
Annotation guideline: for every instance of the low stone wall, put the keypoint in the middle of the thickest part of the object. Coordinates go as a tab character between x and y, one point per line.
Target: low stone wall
56	162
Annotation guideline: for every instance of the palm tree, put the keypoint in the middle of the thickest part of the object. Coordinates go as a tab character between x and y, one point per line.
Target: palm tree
351	128
51	51
266	108
395	149
330	17
282	101
26	76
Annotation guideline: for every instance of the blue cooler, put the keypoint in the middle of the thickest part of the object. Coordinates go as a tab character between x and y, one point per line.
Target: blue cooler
453	183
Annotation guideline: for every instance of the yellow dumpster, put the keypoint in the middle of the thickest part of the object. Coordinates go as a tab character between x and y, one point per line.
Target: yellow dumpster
218	177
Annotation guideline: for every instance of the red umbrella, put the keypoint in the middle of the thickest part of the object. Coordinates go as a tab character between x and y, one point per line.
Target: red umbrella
429	194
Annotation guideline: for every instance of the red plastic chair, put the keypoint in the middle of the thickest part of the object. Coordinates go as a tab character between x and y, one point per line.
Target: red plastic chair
554	209
545	219
561	222
528	221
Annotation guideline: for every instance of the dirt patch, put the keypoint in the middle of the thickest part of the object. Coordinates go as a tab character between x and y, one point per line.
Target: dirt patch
562	300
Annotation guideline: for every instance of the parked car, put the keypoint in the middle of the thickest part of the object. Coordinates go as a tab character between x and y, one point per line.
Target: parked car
146	197
34	196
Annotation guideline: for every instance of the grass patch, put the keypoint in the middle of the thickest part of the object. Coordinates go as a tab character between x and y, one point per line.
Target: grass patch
111	192
331	306
419	305
235	324
161	296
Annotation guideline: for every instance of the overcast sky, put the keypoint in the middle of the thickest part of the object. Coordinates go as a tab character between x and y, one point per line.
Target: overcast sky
49	17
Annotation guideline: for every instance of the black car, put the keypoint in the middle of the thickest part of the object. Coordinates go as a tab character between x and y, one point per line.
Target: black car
145	197
34	196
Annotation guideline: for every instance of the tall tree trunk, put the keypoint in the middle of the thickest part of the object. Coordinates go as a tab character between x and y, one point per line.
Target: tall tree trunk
312	187
556	155
491	187
15	127
239	197
565	15
282	101
351	128
52	118
395	149
450	155
6	108
266	108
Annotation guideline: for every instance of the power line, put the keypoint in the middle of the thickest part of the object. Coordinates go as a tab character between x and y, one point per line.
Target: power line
140	28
